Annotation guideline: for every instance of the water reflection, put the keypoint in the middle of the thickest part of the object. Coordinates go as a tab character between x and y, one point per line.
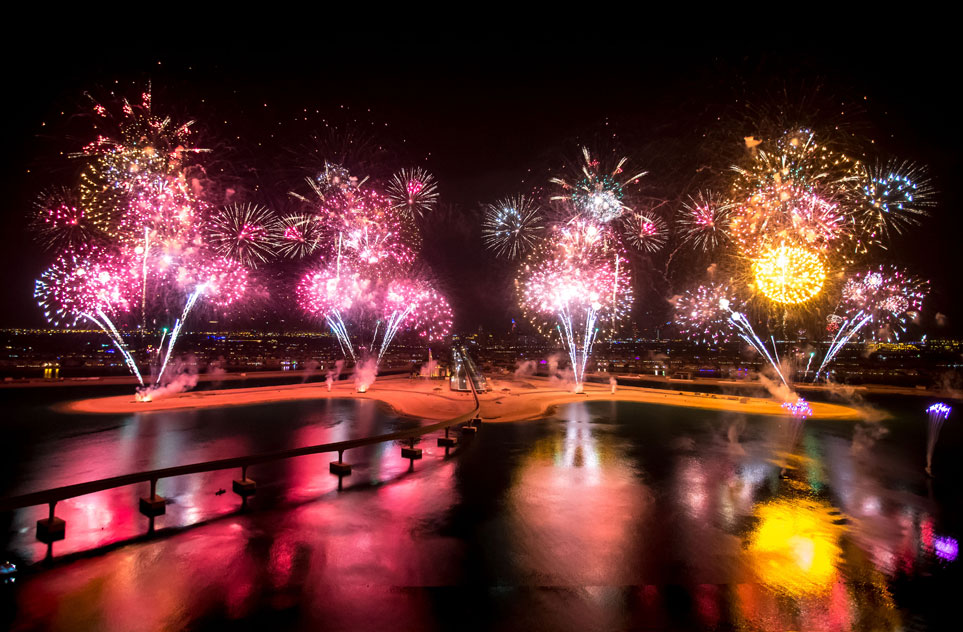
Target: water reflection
795	548
605	516
573	506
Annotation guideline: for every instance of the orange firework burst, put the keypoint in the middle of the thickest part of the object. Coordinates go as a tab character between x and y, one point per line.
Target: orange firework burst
789	274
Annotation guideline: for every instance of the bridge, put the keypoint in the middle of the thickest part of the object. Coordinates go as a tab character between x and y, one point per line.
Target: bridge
53	528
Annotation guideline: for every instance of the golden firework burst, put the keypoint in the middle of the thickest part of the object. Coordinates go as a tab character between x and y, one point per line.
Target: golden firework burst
789	274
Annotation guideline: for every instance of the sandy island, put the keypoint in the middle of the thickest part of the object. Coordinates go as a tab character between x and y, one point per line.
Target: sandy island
510	400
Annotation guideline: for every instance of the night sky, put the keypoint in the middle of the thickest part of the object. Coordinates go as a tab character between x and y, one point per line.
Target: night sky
489	125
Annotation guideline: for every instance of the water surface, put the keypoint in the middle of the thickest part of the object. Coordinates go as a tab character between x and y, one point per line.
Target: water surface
603	516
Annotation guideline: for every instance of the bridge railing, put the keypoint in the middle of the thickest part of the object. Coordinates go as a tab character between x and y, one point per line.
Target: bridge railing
52	528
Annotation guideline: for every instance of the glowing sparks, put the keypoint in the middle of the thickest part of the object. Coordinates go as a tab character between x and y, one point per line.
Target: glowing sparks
799	409
299	236
788	275
646	231
59	220
895	197
703	314
223	281
244	232
887	294
371	245
936	414
511	226
705	220
582	288
153	240
596	194
413	191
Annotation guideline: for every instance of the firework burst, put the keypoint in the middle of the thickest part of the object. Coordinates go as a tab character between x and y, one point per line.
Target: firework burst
59	221
413	304
705	220
243	232
896	195
646	231
372	243
224	281
153	242
796	161
511	226
361	225
585	290
597	194
703	314
788	275
298	236
413	191
887	294
85	282
135	157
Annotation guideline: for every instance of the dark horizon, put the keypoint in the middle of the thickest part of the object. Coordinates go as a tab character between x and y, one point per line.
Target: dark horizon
490	127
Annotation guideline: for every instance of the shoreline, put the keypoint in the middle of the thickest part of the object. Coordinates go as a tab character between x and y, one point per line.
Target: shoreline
511	400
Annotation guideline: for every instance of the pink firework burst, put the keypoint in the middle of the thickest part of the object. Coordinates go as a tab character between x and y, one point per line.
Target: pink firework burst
59	220
299	236
245	232
887	294
368	231
704	221
223	281
327	290
426	310
413	191
91	282
646	231
703	314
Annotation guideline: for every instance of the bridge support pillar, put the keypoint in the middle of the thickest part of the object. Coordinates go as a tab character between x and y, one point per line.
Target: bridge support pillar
410	452
339	467
153	505
244	486
51	528
446	441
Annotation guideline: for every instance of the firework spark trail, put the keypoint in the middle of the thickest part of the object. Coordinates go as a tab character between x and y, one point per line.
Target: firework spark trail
336	324
191	300
576	278
884	295
798	411
147	232
108	327
808	364
578	354
748	334
936	415
702	314
842	338
395	319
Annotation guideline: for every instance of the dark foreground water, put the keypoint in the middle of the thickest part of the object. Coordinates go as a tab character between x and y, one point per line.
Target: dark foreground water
603	517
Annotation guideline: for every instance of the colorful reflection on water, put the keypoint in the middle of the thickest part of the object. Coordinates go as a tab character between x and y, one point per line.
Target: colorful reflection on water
605	516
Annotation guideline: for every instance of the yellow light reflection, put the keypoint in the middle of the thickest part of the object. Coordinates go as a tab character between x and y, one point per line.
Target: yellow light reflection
795	548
